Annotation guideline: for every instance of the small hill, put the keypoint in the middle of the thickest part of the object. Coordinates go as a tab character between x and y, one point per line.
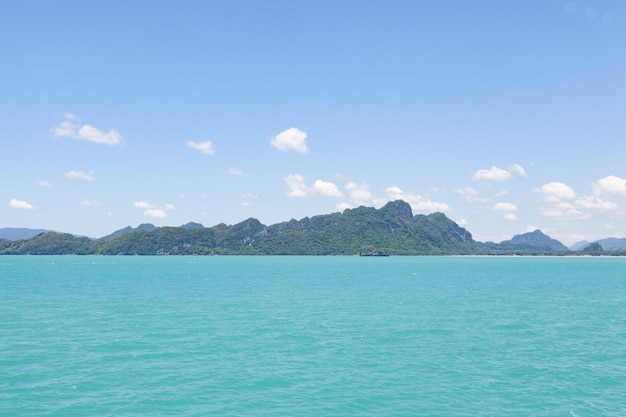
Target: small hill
593	249
159	241
533	241
50	243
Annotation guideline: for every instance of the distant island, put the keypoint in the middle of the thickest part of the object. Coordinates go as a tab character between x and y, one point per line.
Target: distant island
365	231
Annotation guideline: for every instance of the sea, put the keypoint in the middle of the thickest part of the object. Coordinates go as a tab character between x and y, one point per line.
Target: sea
312	336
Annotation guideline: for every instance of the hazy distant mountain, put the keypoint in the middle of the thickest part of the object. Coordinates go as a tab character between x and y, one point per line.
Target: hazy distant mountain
612	243
580	245
609	243
13	233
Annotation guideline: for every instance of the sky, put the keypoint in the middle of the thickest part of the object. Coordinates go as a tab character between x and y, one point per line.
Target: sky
507	116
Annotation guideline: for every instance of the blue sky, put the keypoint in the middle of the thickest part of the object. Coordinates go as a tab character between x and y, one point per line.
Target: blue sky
505	115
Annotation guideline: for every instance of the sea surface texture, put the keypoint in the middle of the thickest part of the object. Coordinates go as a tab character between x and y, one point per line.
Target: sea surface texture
312	336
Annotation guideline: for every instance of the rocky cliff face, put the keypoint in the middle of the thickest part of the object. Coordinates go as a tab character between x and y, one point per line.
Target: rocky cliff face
399	208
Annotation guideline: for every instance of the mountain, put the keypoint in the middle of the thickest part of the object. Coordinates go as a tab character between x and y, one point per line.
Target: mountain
12	233
533	241
390	230
612	243
128	229
579	245
49	243
159	241
192	225
593	249
609	243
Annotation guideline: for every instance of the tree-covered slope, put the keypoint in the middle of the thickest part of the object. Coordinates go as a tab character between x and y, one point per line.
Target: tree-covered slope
50	243
159	241
535	240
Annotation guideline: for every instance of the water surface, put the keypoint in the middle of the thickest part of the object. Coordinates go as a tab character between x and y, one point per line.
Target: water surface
318	336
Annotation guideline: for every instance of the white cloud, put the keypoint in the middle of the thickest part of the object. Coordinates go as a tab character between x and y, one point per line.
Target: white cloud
517	169
92	134
237	172
247	197
471	195
205	148
143	205
610	185
79	175
510	216
551	199
493	174
71	128
556	191
65	129
89	203
562	210
359	193
20	204
44	184
557	208
154	210
298	188
505	207
155	213
592	202
417	202
296	185
292	139
326	188
498	174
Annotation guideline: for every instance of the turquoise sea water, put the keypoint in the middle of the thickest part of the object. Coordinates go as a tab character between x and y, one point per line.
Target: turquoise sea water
312	336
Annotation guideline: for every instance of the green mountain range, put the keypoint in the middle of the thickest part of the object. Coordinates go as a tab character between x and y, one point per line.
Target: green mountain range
390	230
